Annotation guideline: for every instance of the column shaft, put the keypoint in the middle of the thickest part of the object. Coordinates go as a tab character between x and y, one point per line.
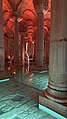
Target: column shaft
55	96
39	7
16	42
1	40
23	49
40	40
58	52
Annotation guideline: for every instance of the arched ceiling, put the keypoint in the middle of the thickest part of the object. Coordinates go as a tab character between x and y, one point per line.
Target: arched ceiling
26	16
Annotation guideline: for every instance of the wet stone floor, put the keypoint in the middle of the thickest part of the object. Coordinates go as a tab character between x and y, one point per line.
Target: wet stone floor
19	96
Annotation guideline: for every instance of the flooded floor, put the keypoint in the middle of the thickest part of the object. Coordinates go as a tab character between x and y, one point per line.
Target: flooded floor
19	96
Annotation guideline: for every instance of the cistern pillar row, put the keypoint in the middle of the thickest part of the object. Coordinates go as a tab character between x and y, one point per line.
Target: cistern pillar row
39	6
1	40
57	86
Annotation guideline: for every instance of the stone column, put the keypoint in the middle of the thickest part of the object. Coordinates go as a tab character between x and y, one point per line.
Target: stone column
1	40
16	42
39	6
22	49
6	46
55	96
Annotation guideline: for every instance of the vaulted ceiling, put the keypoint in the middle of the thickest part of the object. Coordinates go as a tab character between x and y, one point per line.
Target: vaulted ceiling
26	15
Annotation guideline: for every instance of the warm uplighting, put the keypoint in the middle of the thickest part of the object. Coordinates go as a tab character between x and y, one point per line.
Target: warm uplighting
14	72
8	56
19	19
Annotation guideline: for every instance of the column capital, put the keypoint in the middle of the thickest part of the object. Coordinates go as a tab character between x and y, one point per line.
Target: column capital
40	5
37	2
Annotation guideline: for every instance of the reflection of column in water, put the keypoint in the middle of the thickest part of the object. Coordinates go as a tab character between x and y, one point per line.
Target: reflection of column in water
30	77
23	68
27	58
23	60
27	68
27	61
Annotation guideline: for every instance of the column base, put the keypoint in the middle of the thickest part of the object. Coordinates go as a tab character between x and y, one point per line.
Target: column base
38	68
55	106
4	74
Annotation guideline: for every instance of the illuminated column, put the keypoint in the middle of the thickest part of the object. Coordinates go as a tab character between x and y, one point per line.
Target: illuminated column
55	96
16	42
39	6
1	40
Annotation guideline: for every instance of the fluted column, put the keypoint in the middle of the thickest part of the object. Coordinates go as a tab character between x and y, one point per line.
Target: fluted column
39	7
57	86
1	40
